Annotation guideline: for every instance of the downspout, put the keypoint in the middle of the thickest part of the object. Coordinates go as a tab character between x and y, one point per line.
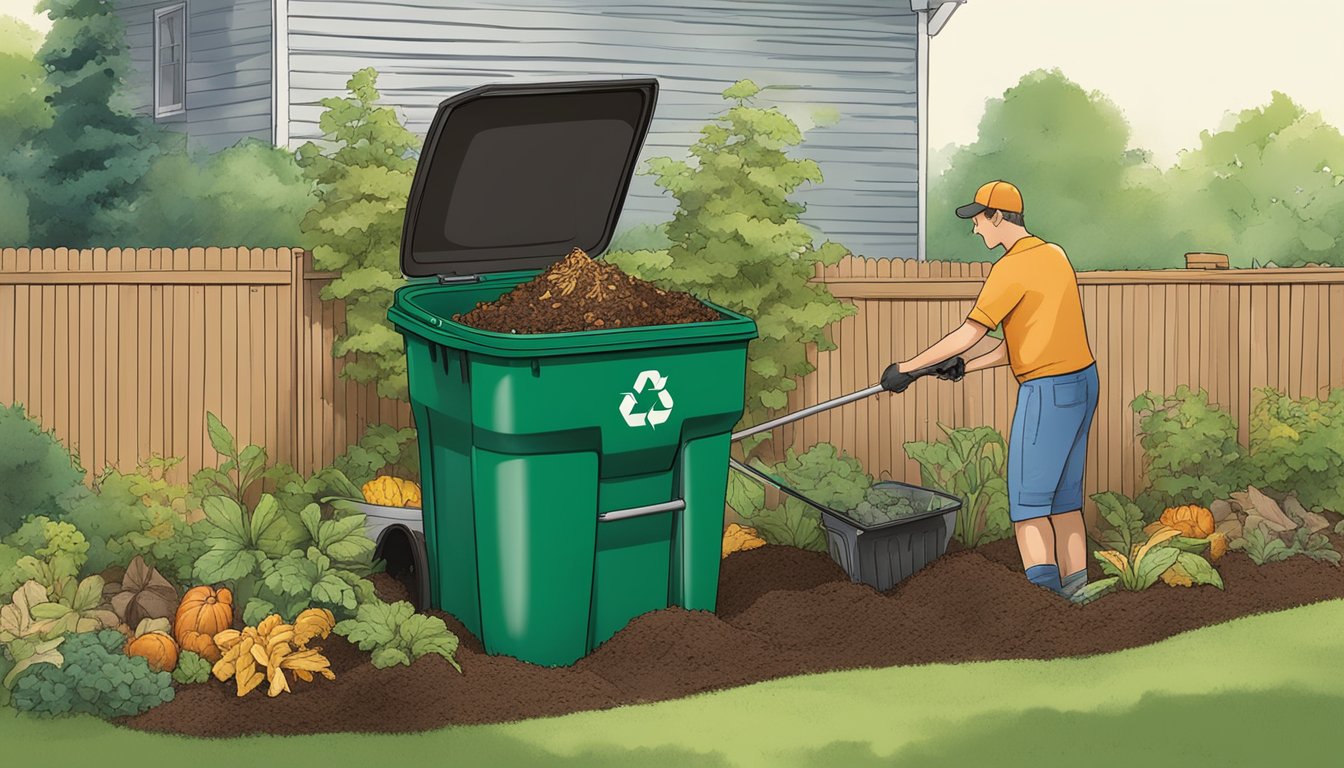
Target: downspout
932	17
280	73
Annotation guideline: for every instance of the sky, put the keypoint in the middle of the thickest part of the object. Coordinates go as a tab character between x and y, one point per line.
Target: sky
1174	67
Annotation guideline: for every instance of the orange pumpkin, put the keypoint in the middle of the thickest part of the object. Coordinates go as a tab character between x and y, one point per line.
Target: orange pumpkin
204	612
1191	520
156	648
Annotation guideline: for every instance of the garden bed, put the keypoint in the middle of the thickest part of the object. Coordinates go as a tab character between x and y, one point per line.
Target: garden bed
782	611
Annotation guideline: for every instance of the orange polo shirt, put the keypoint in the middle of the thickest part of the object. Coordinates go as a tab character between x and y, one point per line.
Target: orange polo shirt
1033	290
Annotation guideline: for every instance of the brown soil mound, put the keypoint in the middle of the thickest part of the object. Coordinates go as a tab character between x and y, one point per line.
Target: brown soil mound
782	612
582	294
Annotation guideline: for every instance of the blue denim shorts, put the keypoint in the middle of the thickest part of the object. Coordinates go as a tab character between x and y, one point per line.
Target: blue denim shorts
1048	445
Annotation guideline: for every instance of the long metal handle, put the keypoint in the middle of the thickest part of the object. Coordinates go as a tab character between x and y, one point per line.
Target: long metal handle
650	509
826	406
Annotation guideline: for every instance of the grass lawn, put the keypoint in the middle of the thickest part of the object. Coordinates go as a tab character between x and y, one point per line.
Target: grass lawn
1255	691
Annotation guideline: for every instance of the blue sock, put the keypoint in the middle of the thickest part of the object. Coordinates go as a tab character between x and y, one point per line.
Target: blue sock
1073	582
1045	576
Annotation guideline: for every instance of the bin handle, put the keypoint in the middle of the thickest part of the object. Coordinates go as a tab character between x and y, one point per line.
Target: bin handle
675	505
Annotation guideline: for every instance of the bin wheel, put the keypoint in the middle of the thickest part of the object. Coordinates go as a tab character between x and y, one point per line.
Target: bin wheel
407	561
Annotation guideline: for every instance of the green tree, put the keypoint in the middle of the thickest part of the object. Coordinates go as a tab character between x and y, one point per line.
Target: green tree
355	227
737	241
1269	188
80	175
23	112
1084	188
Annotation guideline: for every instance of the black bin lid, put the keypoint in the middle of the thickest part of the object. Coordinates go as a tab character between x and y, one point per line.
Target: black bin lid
514	176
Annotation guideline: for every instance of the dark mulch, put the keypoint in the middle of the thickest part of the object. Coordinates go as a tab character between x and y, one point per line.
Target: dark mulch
781	612
579	293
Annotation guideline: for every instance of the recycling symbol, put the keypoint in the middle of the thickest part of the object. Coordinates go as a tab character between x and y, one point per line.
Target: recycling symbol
659	412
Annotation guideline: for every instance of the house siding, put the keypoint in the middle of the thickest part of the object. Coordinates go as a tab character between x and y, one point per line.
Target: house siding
229	53
858	58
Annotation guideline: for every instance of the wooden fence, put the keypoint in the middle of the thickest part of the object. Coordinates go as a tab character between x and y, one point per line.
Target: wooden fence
123	351
1225	331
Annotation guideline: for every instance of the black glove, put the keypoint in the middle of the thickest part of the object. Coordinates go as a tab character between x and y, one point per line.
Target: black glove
895	381
951	369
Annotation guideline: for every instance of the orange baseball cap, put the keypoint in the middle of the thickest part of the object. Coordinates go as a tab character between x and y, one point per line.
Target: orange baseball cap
999	195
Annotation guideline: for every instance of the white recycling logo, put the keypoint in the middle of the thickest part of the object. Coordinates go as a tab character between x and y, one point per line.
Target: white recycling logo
659	412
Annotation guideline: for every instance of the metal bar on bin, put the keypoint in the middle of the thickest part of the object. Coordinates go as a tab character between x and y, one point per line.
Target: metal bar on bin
650	509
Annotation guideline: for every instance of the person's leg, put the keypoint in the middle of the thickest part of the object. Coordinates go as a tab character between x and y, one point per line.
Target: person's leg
1031	521
1036	545
1069	528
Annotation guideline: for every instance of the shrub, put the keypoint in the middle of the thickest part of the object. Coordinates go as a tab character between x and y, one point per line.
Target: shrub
38	475
1192	450
1298	446
972	465
355	226
736	240
139	513
96	678
48	552
822	474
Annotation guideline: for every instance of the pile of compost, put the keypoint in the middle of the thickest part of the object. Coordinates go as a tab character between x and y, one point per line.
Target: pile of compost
580	293
782	611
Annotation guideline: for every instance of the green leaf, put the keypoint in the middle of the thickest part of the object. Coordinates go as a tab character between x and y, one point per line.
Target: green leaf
220	437
428	634
225	561
1187	544
1150	568
226	517
272	532
256	611
311	517
389	657
1199	569
1094	590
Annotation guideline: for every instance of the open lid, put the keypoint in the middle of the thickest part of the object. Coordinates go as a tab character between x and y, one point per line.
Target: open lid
515	176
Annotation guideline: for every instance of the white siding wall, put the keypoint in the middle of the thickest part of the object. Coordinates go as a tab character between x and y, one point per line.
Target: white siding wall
228	93
856	57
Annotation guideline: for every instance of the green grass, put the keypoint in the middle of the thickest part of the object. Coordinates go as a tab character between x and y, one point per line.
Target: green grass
1256	691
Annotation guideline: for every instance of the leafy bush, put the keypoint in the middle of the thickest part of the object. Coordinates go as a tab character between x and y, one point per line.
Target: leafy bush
1145	562
191	669
238	542
1298	446
304	579
972	464
381	449
26	639
1192	449
139	513
251	194
820	473
49	552
96	678
736	240
396	634
355	226
38	475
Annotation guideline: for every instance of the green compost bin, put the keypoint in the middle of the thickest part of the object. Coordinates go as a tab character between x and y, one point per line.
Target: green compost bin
570	481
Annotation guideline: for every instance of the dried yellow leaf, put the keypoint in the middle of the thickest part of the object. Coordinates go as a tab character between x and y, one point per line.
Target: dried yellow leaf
1177	576
264	652
1115	558
1217	545
227	639
314	622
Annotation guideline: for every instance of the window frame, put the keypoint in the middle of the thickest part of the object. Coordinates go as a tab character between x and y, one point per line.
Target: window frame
161	109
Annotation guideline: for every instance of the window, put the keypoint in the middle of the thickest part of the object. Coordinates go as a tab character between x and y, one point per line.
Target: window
170	61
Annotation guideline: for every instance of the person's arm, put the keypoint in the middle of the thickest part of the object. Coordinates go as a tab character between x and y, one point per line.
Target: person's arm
951	345
991	359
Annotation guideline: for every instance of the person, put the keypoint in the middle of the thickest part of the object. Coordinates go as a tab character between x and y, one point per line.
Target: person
1032	291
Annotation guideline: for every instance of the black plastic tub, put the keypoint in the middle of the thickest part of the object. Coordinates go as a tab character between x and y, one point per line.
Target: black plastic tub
882	555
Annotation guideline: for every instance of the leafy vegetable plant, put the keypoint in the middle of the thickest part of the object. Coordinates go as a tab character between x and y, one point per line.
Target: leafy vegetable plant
396	634
240	470
1145	563
28	641
972	464
191	669
95	677
239	542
